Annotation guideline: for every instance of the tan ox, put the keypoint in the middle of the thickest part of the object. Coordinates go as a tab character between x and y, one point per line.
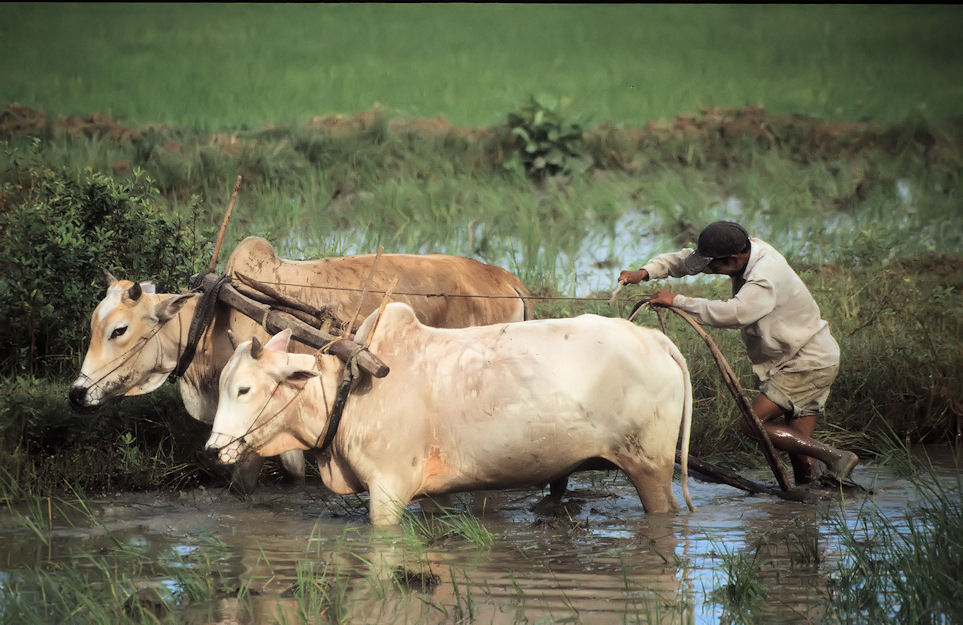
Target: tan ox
137	337
486	407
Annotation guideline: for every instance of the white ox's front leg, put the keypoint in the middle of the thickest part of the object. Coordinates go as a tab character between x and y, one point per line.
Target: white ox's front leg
387	503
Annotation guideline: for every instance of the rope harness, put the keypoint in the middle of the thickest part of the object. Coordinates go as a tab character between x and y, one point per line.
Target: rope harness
200	322
124	358
461	295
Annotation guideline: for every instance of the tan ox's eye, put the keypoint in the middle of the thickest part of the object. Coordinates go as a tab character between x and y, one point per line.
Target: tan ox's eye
118	332
243	390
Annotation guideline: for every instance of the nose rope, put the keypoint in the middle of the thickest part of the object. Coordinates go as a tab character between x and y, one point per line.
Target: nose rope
124	358
139	346
254	427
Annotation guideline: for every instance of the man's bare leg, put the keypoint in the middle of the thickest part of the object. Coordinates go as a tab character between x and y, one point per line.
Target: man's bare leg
795	438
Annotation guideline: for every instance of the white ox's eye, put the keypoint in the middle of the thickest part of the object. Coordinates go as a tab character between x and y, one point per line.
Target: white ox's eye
243	390
118	331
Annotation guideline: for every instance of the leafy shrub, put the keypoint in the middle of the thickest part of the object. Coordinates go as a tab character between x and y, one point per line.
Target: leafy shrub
546	144
58	232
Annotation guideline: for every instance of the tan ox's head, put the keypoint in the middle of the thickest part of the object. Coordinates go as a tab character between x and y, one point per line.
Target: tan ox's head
259	403
127	354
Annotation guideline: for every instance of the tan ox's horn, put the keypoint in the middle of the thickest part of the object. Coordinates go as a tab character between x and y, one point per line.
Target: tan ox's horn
109	276
256	348
135	291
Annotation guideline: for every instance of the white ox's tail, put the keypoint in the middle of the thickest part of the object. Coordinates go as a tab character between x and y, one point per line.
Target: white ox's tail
686	420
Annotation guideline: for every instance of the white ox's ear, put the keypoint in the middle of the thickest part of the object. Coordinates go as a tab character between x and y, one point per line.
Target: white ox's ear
168	308
298	376
279	342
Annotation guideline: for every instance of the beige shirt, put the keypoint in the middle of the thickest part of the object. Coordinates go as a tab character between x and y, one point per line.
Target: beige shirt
779	319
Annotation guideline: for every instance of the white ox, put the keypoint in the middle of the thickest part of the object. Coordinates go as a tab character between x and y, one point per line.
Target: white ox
490	407
136	337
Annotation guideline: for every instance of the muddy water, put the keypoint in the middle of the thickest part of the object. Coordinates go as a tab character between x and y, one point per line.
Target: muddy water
599	560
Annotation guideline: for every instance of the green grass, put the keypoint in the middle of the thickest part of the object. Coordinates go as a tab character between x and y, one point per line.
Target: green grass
230	66
903	570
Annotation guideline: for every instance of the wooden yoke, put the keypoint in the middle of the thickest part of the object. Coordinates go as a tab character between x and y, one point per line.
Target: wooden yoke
274	321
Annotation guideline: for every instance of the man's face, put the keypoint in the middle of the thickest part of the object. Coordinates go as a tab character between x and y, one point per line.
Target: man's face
727	265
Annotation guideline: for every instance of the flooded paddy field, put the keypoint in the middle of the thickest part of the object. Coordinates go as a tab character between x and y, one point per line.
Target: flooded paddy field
301	554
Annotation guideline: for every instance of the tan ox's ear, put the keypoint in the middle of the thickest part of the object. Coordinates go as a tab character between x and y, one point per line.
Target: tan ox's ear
168	308
279	342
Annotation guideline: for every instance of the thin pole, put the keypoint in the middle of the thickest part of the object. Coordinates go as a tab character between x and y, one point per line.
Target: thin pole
732	383
227	217
364	290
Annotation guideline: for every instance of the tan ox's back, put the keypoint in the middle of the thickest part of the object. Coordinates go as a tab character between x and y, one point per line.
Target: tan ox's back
444	291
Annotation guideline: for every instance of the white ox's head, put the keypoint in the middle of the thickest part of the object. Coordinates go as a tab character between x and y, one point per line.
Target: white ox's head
258	408
126	355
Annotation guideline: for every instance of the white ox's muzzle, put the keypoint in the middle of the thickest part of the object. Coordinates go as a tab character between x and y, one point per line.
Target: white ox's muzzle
228	449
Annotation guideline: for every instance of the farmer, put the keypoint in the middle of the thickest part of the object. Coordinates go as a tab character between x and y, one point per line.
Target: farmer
794	357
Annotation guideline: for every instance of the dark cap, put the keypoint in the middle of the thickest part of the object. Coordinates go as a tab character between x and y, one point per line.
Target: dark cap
717	240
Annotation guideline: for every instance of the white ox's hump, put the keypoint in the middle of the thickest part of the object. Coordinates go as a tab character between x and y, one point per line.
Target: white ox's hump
395	319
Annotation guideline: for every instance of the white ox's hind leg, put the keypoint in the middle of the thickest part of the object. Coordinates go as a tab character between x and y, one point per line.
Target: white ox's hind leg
652	481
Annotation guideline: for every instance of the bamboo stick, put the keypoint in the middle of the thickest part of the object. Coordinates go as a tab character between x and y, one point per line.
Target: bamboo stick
227	217
732	383
364	289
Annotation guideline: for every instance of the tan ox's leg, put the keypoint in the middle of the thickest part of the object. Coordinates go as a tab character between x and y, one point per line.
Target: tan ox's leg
245	473
653	483
435	504
293	463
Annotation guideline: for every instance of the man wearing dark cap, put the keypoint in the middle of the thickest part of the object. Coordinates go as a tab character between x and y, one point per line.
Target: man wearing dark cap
794	357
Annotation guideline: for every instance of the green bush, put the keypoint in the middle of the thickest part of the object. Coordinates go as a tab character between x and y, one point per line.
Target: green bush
57	232
546	143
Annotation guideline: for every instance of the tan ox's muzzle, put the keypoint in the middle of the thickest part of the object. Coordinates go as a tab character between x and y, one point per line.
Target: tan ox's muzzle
83	397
